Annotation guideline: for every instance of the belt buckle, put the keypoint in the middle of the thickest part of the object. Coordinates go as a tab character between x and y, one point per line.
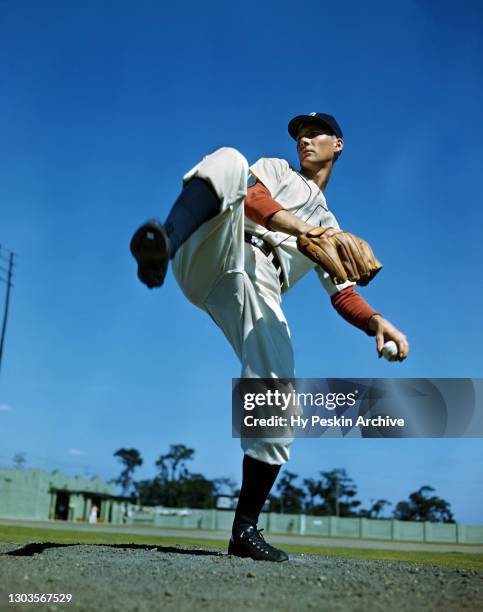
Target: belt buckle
256	241
271	256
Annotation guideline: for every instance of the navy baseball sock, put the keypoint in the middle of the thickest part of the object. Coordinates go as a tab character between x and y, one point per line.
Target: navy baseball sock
196	204
258	479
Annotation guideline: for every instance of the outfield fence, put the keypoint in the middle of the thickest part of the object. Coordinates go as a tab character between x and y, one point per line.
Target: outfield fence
323	526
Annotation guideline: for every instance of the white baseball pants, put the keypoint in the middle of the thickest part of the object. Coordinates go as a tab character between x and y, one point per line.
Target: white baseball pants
238	287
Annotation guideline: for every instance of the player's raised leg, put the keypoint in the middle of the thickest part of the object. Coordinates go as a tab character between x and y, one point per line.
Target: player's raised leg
212	186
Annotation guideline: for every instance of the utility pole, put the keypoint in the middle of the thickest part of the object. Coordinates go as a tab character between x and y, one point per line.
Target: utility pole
8	281
337	493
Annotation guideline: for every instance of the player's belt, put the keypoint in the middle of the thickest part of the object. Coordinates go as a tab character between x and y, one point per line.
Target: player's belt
268	251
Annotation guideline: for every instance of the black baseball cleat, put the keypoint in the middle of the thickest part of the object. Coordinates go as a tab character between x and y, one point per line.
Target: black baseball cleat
250	543
150	248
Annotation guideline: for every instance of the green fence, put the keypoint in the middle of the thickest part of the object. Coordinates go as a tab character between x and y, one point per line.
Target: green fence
322	526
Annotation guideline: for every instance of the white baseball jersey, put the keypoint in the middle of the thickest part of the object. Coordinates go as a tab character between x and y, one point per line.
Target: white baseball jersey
303	198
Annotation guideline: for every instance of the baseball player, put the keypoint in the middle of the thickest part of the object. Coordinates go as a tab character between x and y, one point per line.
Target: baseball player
231	237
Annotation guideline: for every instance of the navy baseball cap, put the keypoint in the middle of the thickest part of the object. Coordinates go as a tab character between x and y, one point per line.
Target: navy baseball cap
321	118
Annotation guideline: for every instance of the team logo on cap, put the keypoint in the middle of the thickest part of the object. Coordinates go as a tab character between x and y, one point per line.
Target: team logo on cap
312	114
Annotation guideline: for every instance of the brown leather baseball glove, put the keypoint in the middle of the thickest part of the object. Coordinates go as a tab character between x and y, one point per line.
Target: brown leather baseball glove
343	255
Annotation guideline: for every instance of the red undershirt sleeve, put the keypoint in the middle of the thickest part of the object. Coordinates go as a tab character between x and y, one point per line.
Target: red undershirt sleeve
259	204
353	308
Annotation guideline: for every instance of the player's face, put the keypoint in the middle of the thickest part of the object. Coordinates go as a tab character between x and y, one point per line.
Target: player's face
317	145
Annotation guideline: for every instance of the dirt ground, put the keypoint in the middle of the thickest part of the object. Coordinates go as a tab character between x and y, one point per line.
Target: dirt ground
115	578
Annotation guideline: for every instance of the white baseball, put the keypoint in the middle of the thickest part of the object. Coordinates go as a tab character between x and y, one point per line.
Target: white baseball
389	350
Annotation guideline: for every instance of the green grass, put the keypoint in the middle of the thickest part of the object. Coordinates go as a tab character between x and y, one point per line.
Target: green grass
441	559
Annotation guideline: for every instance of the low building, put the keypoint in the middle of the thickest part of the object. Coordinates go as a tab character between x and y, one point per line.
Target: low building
38	495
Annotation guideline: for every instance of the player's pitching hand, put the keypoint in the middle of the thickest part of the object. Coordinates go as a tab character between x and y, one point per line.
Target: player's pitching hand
385	331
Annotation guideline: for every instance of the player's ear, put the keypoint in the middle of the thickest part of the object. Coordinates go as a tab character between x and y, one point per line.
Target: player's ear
338	146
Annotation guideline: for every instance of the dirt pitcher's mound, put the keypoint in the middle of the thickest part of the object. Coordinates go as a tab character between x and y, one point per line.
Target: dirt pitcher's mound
145	578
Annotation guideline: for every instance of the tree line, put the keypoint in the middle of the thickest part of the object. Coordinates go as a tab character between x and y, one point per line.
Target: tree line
332	493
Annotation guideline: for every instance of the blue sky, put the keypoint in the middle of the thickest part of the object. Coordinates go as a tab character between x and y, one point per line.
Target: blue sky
105	105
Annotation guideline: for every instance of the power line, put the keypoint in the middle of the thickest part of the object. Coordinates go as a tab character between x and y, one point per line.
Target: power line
5	257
